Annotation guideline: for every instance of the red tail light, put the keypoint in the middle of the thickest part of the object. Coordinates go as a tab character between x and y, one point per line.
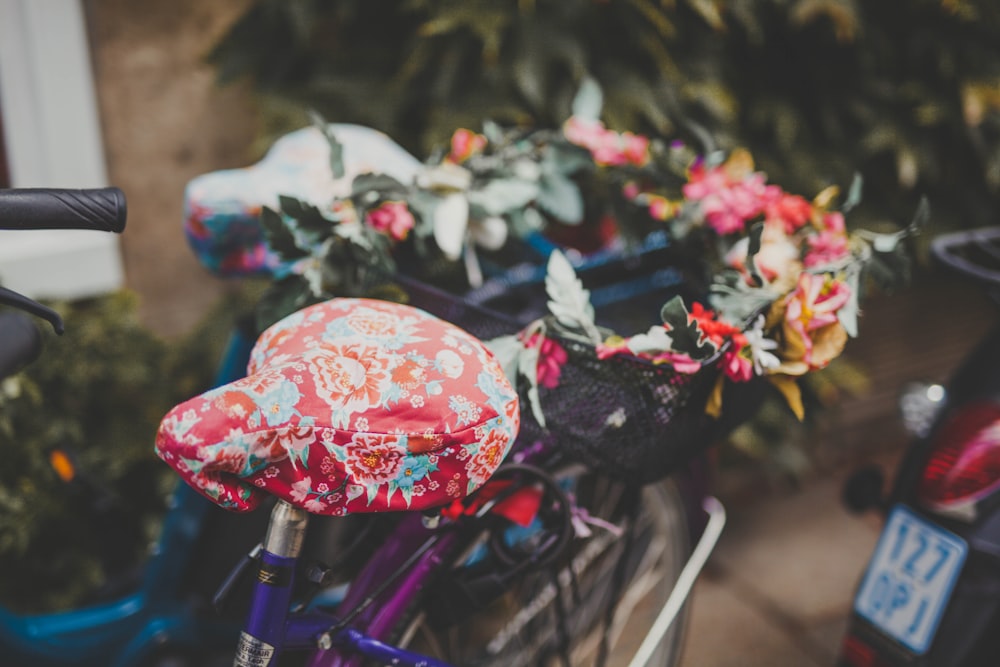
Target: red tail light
856	653
964	461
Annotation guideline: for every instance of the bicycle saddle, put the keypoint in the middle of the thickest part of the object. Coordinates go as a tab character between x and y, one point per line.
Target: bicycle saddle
222	208
350	405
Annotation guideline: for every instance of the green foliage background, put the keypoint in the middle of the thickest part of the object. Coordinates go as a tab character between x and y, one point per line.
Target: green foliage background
907	93
99	391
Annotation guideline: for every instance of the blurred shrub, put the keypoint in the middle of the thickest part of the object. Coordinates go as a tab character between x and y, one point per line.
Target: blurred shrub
907	93
97	392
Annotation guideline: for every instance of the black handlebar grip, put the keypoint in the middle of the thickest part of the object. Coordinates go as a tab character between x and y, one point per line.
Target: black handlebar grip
20	342
100	209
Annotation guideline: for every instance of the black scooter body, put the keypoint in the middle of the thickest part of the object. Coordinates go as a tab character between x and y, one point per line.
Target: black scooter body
969	631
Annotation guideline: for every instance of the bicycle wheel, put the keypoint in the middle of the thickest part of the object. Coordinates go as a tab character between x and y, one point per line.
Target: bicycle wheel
524	625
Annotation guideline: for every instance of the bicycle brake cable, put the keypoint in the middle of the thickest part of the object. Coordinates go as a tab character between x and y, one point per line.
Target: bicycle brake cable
11	298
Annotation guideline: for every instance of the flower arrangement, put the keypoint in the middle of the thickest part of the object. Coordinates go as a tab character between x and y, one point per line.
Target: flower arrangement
786	274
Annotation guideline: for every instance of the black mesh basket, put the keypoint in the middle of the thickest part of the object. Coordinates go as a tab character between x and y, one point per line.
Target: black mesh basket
628	417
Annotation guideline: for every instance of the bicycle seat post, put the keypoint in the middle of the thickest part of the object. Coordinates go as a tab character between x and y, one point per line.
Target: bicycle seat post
286	530
263	637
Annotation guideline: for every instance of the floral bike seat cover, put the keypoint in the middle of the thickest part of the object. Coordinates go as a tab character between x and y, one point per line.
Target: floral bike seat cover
351	405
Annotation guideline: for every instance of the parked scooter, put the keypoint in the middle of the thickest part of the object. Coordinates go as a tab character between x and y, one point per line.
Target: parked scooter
931	593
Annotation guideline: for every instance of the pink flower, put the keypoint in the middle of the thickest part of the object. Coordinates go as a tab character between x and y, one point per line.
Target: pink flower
611	347
465	144
660	208
815	302
607	147
635	148
826	247
791	210
681	361
738	360
551	358
834	222
729	195
392	217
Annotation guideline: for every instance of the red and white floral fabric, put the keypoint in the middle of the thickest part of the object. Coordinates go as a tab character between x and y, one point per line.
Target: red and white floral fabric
351	405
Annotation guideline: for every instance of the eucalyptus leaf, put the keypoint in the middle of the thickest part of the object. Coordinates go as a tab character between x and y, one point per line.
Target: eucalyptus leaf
560	197
848	313
589	100
853	194
502	195
451	220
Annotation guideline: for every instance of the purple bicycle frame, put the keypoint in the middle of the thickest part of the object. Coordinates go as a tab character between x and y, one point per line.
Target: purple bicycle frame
270	629
413	548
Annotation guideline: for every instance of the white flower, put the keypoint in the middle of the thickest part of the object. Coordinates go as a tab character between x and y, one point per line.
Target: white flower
759	346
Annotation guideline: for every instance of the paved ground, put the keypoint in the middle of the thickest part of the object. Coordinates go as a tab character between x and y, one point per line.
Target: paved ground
778	588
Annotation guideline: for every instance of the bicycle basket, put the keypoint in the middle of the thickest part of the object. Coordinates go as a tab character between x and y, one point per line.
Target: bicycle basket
623	415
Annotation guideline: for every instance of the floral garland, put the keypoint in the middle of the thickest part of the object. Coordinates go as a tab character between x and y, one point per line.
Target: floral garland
787	273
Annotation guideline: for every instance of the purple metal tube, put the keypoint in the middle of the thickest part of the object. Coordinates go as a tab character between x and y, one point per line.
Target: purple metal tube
379	619
263	637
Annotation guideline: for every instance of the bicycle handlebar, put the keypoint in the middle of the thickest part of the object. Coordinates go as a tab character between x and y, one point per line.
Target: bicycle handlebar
98	209
952	250
21	342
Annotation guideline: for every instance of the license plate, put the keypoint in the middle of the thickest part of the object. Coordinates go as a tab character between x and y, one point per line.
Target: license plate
910	578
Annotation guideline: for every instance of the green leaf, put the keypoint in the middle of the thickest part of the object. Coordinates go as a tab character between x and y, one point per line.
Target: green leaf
589	100
302	211
451	220
502	195
848	313
685	332
336	148
853	195
528	369
753	247
384	185
282	298
569	302
278	236
560	197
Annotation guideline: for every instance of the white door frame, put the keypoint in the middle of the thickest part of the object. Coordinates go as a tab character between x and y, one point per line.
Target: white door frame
53	138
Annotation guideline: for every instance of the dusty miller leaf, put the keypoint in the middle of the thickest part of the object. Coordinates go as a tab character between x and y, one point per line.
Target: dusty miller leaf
569	302
685	332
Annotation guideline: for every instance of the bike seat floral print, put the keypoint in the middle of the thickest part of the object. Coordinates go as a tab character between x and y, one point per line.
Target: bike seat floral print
351	405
